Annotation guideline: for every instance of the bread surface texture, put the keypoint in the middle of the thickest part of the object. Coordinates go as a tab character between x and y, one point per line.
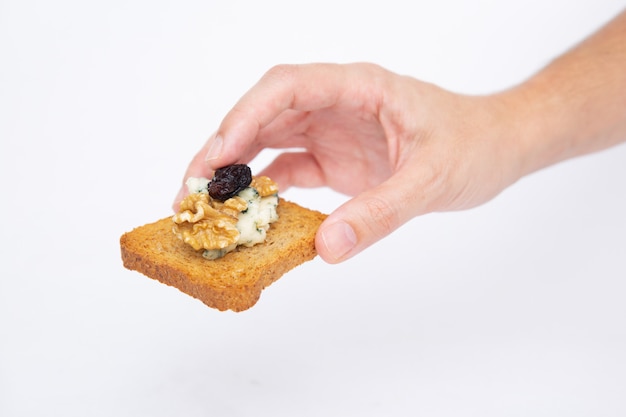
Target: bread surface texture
235	281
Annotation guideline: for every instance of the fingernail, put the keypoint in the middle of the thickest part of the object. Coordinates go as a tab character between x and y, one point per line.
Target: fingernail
215	149
339	239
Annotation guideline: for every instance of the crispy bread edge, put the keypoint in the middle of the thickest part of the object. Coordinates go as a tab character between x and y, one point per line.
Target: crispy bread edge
235	298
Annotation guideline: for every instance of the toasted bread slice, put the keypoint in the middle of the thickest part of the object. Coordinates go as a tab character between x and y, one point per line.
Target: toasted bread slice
235	281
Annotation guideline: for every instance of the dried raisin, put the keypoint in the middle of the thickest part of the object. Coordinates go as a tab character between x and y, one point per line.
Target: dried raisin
229	180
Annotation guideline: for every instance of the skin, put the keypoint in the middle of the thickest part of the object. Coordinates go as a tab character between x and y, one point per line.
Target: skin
403	148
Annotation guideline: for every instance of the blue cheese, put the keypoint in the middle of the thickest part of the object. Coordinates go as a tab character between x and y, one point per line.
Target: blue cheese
253	222
197	185
212	254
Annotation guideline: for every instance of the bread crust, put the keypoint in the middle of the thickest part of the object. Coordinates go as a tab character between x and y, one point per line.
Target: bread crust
235	281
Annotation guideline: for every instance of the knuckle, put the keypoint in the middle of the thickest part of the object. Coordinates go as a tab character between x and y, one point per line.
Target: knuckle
382	217
281	72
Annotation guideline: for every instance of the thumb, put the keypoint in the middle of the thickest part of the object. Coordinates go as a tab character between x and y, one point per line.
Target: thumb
367	218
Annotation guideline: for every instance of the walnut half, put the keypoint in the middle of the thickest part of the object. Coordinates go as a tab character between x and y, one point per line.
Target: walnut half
264	186
203	226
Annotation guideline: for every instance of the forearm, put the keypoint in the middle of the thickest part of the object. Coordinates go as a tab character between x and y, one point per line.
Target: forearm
577	104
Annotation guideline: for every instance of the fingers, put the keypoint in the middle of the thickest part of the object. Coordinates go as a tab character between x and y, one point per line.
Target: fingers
273	112
283	88
369	217
197	168
356	225
299	169
286	87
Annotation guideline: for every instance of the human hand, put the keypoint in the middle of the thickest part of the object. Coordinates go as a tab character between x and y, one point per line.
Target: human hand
401	147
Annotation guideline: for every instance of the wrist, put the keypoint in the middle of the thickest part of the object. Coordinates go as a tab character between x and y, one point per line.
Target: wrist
542	127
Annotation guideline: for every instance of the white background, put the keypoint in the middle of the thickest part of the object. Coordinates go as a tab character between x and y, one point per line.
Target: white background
516	308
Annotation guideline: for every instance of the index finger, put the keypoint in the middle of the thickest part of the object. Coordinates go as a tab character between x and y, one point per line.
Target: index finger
297	87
